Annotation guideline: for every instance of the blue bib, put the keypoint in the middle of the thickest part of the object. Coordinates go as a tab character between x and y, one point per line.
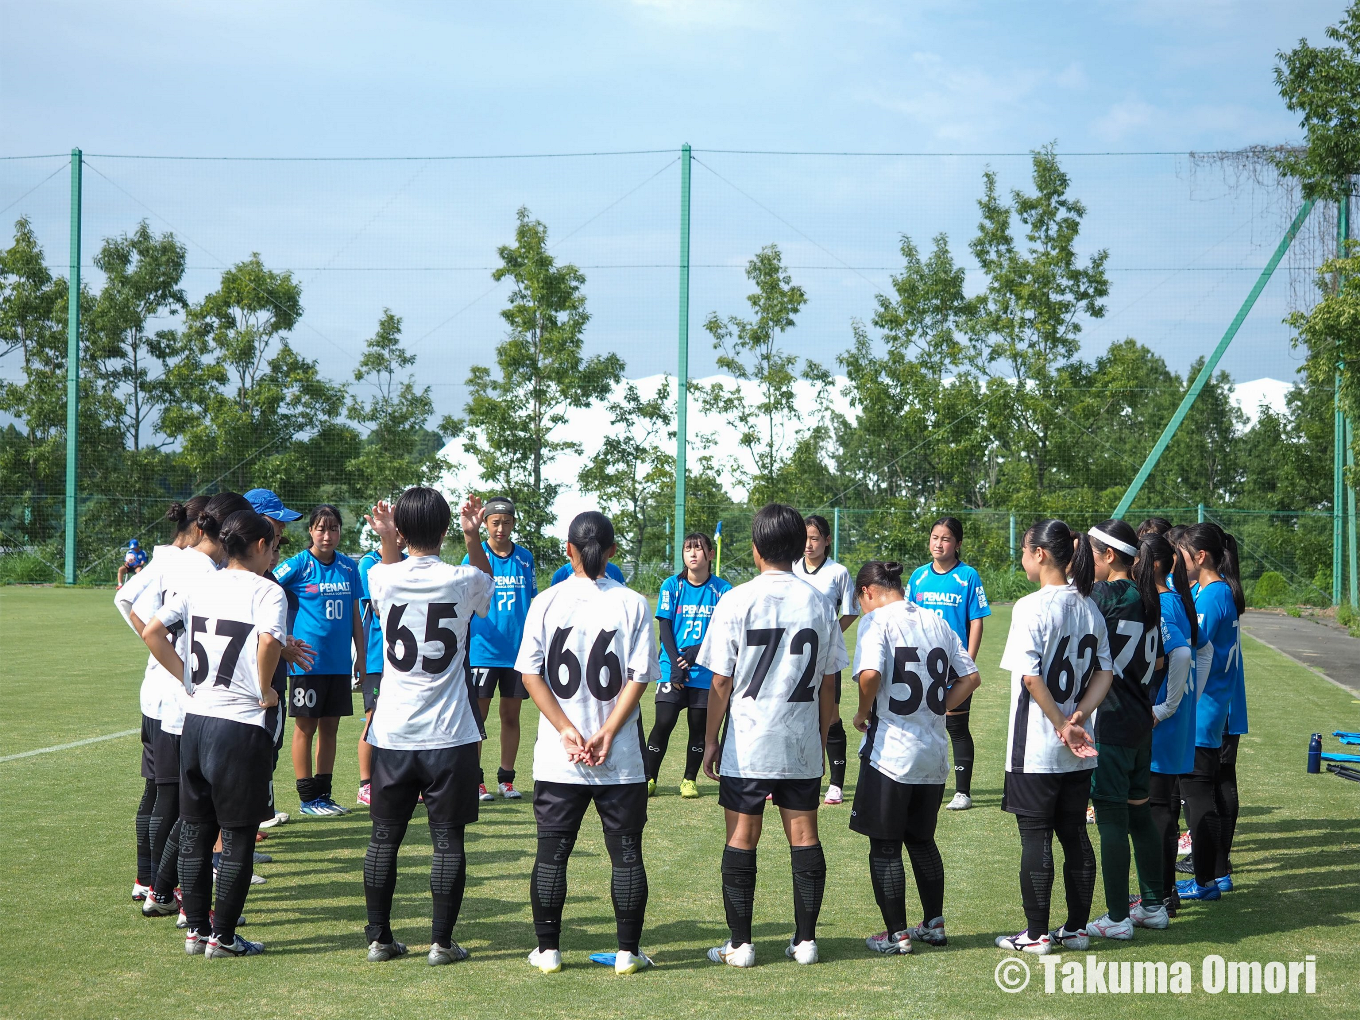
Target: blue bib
495	639
956	597
1173	741
689	607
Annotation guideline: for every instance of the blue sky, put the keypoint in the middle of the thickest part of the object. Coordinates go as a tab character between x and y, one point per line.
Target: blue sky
352	79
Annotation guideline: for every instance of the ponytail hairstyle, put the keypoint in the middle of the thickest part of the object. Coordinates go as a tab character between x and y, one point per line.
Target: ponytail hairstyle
877	574
1143	571
819	522
242	530
1162	555
217	510
954	525
184	515
1070	551
592	533
1222	549
1154	526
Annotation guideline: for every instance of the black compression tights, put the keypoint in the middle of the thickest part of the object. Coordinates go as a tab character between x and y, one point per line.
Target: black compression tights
1036	870
837	746
448	878
167	871
1225	798
667	715
961	739
1165	802
628	887
164	815
890	882
146	864
233	875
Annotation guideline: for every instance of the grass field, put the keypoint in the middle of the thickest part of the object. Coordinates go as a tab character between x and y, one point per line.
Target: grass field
73	945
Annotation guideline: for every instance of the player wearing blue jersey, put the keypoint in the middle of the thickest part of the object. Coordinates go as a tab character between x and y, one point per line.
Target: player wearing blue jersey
1211	565
326	583
683	610
953	590
611	571
495	639
1225	792
134	559
373	665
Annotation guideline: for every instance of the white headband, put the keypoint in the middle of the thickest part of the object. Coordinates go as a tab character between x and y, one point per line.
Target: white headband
1113	542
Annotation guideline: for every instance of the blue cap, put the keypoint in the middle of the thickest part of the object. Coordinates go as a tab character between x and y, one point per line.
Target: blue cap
134	544
267	504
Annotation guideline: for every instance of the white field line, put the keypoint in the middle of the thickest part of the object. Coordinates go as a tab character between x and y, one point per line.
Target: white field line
66	747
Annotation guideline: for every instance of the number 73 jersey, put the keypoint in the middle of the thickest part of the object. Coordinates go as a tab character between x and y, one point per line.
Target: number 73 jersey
423	607
776	636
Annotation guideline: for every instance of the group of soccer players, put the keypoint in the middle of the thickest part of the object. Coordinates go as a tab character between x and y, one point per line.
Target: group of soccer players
1104	708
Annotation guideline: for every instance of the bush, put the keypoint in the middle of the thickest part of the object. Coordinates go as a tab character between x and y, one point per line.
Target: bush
1005	585
25	567
1345	614
1271	589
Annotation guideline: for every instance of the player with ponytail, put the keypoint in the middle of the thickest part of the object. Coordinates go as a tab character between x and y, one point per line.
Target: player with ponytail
1225	791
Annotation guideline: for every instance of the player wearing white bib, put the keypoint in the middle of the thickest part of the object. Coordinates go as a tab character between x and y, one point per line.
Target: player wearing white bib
587	656
425	729
834	582
904	659
182	515
236	622
774	647
1058	655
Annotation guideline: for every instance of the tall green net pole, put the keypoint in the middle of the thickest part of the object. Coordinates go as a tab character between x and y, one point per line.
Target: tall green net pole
1338	429
73	369
682	365
1343	235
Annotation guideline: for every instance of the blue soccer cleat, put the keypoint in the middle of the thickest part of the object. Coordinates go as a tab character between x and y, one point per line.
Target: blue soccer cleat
1189	889
1225	884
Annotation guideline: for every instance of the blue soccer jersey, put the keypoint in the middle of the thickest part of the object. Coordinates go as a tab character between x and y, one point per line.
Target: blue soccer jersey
326	594
688	607
1217	660
494	641
1173	739
956	597
1237	710
610	570
373	639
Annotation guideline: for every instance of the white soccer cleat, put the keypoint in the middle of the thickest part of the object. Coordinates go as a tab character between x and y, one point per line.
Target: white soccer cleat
931	933
451	953
1078	939
195	944
153	907
1107	929
898	944
804	952
741	956
483	794
508	791
219	950
630	963
834	795
381	952
140	892
549	961
961	802
280	818
1022	943
1144	918
256	879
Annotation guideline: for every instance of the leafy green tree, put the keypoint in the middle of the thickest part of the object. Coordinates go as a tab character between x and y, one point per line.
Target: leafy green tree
748	349
512	419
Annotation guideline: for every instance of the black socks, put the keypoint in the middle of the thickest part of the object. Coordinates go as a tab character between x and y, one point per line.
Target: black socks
628	888
928	869
448	877
380	877
836	749
667	714
163	818
889	880
195	872
167	872
739	891
694	753
548	887
961	738
809	884
146	863
233	879
505	775
306	789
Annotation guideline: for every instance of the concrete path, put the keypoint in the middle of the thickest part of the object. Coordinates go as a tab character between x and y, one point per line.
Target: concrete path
1323	647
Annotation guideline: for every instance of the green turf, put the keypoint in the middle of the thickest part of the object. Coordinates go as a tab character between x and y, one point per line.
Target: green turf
73	945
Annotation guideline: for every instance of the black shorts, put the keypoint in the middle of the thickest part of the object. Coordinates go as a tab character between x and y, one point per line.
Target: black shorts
838	694
1208	760
559	807
886	809
166	754
1050	795
372	684
685	697
226	771
319	696
447	777
1227	751
747	796
150	727
488	679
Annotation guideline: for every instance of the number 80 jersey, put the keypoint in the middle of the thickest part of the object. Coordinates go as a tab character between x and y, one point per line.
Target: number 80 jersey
586	639
1058	634
776	636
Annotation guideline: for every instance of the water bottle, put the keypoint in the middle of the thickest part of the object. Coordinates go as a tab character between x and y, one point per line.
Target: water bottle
1315	753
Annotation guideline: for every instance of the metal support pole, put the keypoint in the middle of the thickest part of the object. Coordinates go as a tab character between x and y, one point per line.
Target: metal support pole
1206	373
73	370
836	533
1200	515
1012	541
1351	574
1338	459
682	364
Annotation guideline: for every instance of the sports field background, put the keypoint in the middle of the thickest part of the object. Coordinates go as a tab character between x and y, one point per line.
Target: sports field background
72	944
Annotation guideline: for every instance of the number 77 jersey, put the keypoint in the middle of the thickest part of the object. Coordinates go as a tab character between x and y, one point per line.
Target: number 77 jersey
776	636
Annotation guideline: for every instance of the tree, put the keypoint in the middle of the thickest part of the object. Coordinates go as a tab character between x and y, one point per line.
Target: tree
749	350
400	450
632	474
512	419
142	274
1028	318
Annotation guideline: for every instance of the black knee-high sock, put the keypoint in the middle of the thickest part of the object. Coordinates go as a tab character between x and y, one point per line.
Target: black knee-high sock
1225	799
694	754
448	877
928	868
809	884
323	784
667	713
889	880
233	879
1147	853
146	864
1201	817
627	888
1036	871
380	877
739	892
1165	805
1112	821
961	739
167	872
196	841
163	817
548	887
836	749
1079	870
